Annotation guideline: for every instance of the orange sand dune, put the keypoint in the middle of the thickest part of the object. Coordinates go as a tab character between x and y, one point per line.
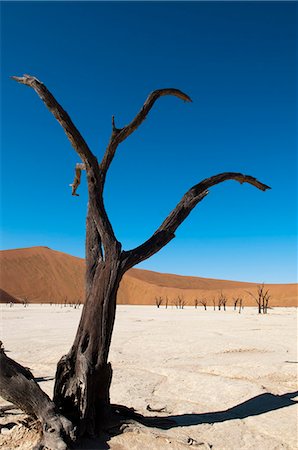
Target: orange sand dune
43	275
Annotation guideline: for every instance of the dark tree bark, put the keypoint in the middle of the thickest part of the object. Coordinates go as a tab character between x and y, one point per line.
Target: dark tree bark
18	386
84	375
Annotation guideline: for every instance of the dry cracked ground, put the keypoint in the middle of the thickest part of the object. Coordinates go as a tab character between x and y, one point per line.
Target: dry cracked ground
225	380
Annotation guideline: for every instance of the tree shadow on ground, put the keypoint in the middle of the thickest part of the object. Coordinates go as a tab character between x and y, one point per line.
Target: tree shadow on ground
255	406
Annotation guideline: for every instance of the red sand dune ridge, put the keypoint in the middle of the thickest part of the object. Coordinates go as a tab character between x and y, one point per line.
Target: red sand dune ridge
42	275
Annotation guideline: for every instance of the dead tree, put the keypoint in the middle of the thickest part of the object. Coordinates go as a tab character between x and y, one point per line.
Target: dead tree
83	376
236	301
222	301
213	301
158	301
166	302
266	298
219	302
181	302
204	303
175	302
196	303
262	298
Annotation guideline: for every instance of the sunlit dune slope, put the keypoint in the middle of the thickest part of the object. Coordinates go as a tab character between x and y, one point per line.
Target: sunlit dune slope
43	275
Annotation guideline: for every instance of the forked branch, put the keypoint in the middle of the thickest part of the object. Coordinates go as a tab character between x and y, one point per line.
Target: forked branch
120	134
73	134
166	232
100	217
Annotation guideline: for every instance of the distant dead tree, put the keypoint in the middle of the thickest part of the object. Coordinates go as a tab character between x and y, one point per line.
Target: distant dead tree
262	298
219	302
265	303
214	303
81	404
204	303
158	301
196	303
235	301
166	302
181	301
175	302
25	302
222	301
238	301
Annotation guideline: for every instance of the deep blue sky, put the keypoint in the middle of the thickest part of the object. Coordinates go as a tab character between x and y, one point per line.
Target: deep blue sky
236	61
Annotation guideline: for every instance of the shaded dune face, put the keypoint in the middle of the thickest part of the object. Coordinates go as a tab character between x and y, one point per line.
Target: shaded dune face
7	298
43	275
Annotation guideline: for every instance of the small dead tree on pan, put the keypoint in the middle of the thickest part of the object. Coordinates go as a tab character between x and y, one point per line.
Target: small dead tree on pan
166	302
219	302
224	301
214	303
77	304
81	403
158	301
262	298
175	302
235	301
265	303
181	301
203	302
240	305
196	303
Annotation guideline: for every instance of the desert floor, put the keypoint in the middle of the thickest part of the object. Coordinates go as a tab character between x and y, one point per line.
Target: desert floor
228	380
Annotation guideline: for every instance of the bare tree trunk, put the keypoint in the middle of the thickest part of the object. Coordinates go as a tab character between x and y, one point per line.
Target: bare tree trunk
83	377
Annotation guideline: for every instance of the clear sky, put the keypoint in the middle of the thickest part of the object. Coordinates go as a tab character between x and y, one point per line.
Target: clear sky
237	61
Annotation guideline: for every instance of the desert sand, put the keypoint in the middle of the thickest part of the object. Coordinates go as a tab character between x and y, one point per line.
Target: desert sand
227	380
42	275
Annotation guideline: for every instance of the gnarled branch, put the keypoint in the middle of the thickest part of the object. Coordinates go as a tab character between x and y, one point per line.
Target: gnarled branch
100	217
166	232
76	139
17	385
120	134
